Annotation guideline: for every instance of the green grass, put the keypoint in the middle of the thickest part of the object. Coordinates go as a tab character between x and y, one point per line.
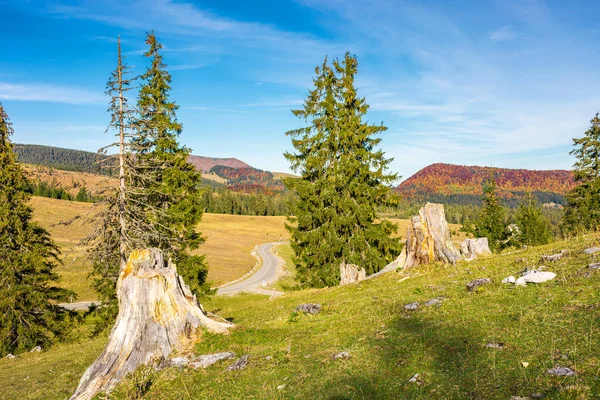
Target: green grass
287	281
545	325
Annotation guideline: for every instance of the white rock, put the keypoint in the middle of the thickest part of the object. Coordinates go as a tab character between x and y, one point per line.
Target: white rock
10	356
209	359
592	250
510	279
538	276
179	362
520	282
36	349
414	378
281	387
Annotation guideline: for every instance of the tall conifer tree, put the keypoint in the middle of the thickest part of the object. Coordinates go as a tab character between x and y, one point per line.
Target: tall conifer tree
343	179
29	316
582	212
171	197
535	228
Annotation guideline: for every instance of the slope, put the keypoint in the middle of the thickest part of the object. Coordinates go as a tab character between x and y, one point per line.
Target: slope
534	328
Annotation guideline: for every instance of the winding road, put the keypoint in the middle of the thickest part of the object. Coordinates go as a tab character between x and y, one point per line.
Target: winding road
270	269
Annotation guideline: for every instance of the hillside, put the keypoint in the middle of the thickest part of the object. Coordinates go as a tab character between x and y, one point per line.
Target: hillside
205	164
57	157
530	330
448	183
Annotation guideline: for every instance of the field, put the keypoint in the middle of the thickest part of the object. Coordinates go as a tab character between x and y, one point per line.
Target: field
535	328
229	241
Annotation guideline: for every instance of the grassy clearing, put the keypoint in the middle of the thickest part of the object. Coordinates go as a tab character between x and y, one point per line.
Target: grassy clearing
229	241
545	325
288	280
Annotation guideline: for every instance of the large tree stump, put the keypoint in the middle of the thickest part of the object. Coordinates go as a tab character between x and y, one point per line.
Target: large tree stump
428	239
157	315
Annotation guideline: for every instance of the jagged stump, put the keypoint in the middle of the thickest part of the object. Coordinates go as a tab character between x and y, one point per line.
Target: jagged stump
157	315
428	239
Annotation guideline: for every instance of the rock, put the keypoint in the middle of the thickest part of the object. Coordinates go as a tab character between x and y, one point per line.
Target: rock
594	266
11	356
428	239
473	248
36	349
342	356
281	387
350	273
474	284
239	364
555	257
510	279
414	378
535	276
433	302
561	371
411	306
309	308
499	346
268	358
519	398
592	250
537	396
210	359
179	362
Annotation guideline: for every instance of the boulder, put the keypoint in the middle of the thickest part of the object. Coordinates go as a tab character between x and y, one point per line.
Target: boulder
350	273
591	250
535	276
554	257
239	364
474	284
473	248
411	306
309	308
561	371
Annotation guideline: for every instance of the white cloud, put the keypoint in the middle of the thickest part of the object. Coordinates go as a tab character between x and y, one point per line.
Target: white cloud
49	93
502	34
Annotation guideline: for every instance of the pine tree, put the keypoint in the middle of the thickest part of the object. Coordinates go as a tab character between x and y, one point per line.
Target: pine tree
28	258
171	196
491	221
343	179
582	212
534	227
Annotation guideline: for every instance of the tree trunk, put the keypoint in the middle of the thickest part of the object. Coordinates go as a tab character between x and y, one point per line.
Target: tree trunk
157	315
428	239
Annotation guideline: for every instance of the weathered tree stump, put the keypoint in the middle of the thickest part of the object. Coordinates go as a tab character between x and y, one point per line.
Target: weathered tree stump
473	248
157	315
350	273
428	239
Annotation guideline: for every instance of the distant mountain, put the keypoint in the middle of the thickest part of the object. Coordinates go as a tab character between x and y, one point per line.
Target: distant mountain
459	184
58	158
205	164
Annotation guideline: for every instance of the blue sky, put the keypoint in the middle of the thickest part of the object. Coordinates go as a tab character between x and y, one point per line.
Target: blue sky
502	83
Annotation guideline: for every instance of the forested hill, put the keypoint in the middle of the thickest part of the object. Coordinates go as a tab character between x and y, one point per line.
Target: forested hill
205	164
59	158
459	184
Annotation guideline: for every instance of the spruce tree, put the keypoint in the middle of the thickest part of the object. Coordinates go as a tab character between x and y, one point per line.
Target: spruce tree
170	194
29	314
534	227
582	211
491	221
343	179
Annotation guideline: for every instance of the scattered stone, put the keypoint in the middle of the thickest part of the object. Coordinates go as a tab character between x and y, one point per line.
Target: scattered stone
474	284
179	362
207	360
519	398
36	349
414	378
343	355
594	266
592	250
11	356
525	364
281	387
239	364
499	346
535	276
433	302
311	309
411	306
555	257
561	371
268	358
538	396
510	279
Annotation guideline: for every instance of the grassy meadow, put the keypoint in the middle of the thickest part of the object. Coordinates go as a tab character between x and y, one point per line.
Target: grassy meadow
537	327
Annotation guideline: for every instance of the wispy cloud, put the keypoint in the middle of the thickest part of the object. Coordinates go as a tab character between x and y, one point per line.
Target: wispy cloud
502	34
191	66
49	93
